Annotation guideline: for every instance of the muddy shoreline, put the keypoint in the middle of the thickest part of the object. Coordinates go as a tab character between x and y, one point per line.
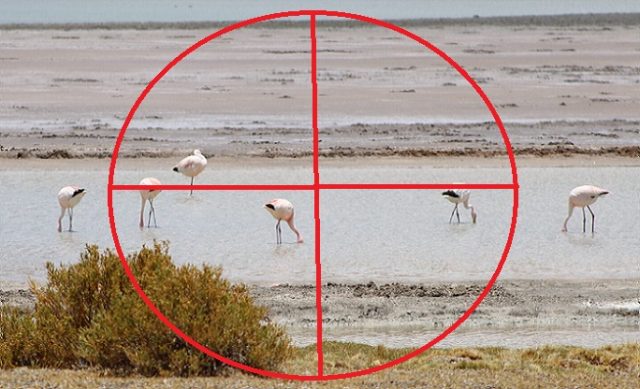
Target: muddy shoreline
349	152
512	303
417	140
541	306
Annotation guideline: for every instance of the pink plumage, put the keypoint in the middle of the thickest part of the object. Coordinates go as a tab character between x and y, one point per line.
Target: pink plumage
282	209
457	197
69	197
148	195
192	165
582	197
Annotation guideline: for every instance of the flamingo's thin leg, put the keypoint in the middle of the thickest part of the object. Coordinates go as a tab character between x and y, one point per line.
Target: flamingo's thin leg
150	212
593	220
153	211
584	221
452	213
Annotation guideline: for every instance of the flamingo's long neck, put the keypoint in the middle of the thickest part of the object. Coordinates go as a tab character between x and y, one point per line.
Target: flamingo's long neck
474	214
294	229
564	226
470	206
62	211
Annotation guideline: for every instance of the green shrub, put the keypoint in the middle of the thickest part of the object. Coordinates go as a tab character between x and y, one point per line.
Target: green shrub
89	315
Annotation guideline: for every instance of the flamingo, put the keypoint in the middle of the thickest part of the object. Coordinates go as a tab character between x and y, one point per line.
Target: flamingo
149	195
282	209
457	197
69	197
584	196
192	165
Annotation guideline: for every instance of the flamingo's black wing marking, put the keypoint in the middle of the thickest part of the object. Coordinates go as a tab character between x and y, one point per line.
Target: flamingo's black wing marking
450	193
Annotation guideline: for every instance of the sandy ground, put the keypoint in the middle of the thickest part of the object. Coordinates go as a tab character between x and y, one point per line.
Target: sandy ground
560	90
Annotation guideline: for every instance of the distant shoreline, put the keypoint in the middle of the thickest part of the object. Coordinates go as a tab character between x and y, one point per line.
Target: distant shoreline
624	152
565	20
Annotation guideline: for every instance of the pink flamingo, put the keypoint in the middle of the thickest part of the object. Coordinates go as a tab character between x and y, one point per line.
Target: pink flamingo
69	197
457	197
149	195
192	165
584	196
282	209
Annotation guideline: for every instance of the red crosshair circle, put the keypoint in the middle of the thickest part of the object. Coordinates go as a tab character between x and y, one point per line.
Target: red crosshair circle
316	188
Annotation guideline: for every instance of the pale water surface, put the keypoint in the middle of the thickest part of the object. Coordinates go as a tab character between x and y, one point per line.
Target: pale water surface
379	235
418	336
101	11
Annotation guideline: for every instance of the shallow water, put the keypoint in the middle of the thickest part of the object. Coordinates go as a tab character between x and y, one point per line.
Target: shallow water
417	336
379	235
78	11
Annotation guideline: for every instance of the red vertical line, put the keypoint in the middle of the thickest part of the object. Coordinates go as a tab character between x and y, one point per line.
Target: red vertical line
316	194
314	86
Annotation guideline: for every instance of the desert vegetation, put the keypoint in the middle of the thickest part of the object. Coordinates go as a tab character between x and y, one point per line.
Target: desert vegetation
89	315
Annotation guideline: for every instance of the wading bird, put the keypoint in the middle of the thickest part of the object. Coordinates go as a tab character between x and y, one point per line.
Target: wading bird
149	195
282	209
457	197
581	197
69	197
192	165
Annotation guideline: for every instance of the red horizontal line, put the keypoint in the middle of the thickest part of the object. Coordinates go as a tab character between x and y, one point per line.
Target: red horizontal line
312	187
212	187
417	186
